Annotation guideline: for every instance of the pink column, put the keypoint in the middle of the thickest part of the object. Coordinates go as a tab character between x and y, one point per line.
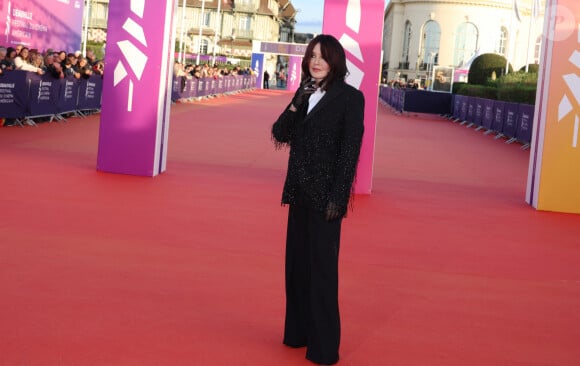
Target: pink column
294	72
358	25
137	87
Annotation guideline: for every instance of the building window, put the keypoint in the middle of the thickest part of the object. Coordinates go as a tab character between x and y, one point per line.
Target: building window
245	22
465	43
203	48
430	43
207	18
406	46
538	50
502	42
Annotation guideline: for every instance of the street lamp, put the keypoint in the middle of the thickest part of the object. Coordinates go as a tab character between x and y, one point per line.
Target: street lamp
217	30
200	28
232	46
430	66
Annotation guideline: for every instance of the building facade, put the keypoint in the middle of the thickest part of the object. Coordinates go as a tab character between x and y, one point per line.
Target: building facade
222	27
421	34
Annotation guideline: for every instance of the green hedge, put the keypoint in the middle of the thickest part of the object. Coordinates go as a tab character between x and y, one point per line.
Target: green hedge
509	93
484	66
516	87
517	94
532	68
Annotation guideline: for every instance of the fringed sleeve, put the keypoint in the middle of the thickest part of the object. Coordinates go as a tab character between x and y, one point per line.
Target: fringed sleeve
284	128
349	151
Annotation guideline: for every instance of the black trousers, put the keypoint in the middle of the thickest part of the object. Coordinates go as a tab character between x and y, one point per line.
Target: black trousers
312	315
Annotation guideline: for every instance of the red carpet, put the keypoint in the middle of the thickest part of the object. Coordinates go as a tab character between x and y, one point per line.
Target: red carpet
444	264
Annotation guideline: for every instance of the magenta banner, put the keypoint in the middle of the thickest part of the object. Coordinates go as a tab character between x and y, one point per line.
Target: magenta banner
283	48
55	24
137	90
358	25
294	72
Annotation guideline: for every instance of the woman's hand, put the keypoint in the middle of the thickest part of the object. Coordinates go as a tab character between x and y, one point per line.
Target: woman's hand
304	91
332	212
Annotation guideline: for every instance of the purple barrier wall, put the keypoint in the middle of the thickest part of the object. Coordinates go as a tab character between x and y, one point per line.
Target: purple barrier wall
424	101
400	100
192	88
177	87
13	94
471	101
478	114
524	131
183	88
464	108
487	118
510	124
43	95
457	100
498	116
90	91
68	96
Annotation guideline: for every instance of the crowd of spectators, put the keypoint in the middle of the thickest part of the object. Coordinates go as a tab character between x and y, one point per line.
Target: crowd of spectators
206	71
58	64
402	84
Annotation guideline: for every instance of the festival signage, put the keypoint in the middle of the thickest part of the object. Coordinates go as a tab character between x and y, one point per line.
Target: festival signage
137	87
526	117
43	95
258	67
13	94
487	118
294	72
358	25
498	116
553	176
69	91
510	124
55	24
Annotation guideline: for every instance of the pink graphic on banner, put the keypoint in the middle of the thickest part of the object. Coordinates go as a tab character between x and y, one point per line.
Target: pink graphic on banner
55	24
362	41
137	91
294	72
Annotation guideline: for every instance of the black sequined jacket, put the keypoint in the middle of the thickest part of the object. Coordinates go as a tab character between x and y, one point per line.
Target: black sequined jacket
324	148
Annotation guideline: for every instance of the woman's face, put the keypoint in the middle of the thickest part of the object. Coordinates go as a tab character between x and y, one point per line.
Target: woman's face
318	66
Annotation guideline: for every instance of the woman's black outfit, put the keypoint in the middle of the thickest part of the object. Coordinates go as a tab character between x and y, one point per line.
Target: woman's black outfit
324	151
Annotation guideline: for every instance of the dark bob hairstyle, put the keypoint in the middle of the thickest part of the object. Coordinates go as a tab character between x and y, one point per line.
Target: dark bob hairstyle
333	53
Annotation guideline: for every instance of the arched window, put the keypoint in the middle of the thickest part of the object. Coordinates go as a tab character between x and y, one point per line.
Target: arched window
406	46
502	42
465	43
430	43
538	50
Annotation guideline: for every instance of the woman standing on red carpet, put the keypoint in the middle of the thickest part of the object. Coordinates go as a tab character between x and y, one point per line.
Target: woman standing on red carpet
323	125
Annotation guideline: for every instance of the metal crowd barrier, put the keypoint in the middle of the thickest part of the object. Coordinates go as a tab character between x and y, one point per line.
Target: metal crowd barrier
188	89
513	121
25	96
